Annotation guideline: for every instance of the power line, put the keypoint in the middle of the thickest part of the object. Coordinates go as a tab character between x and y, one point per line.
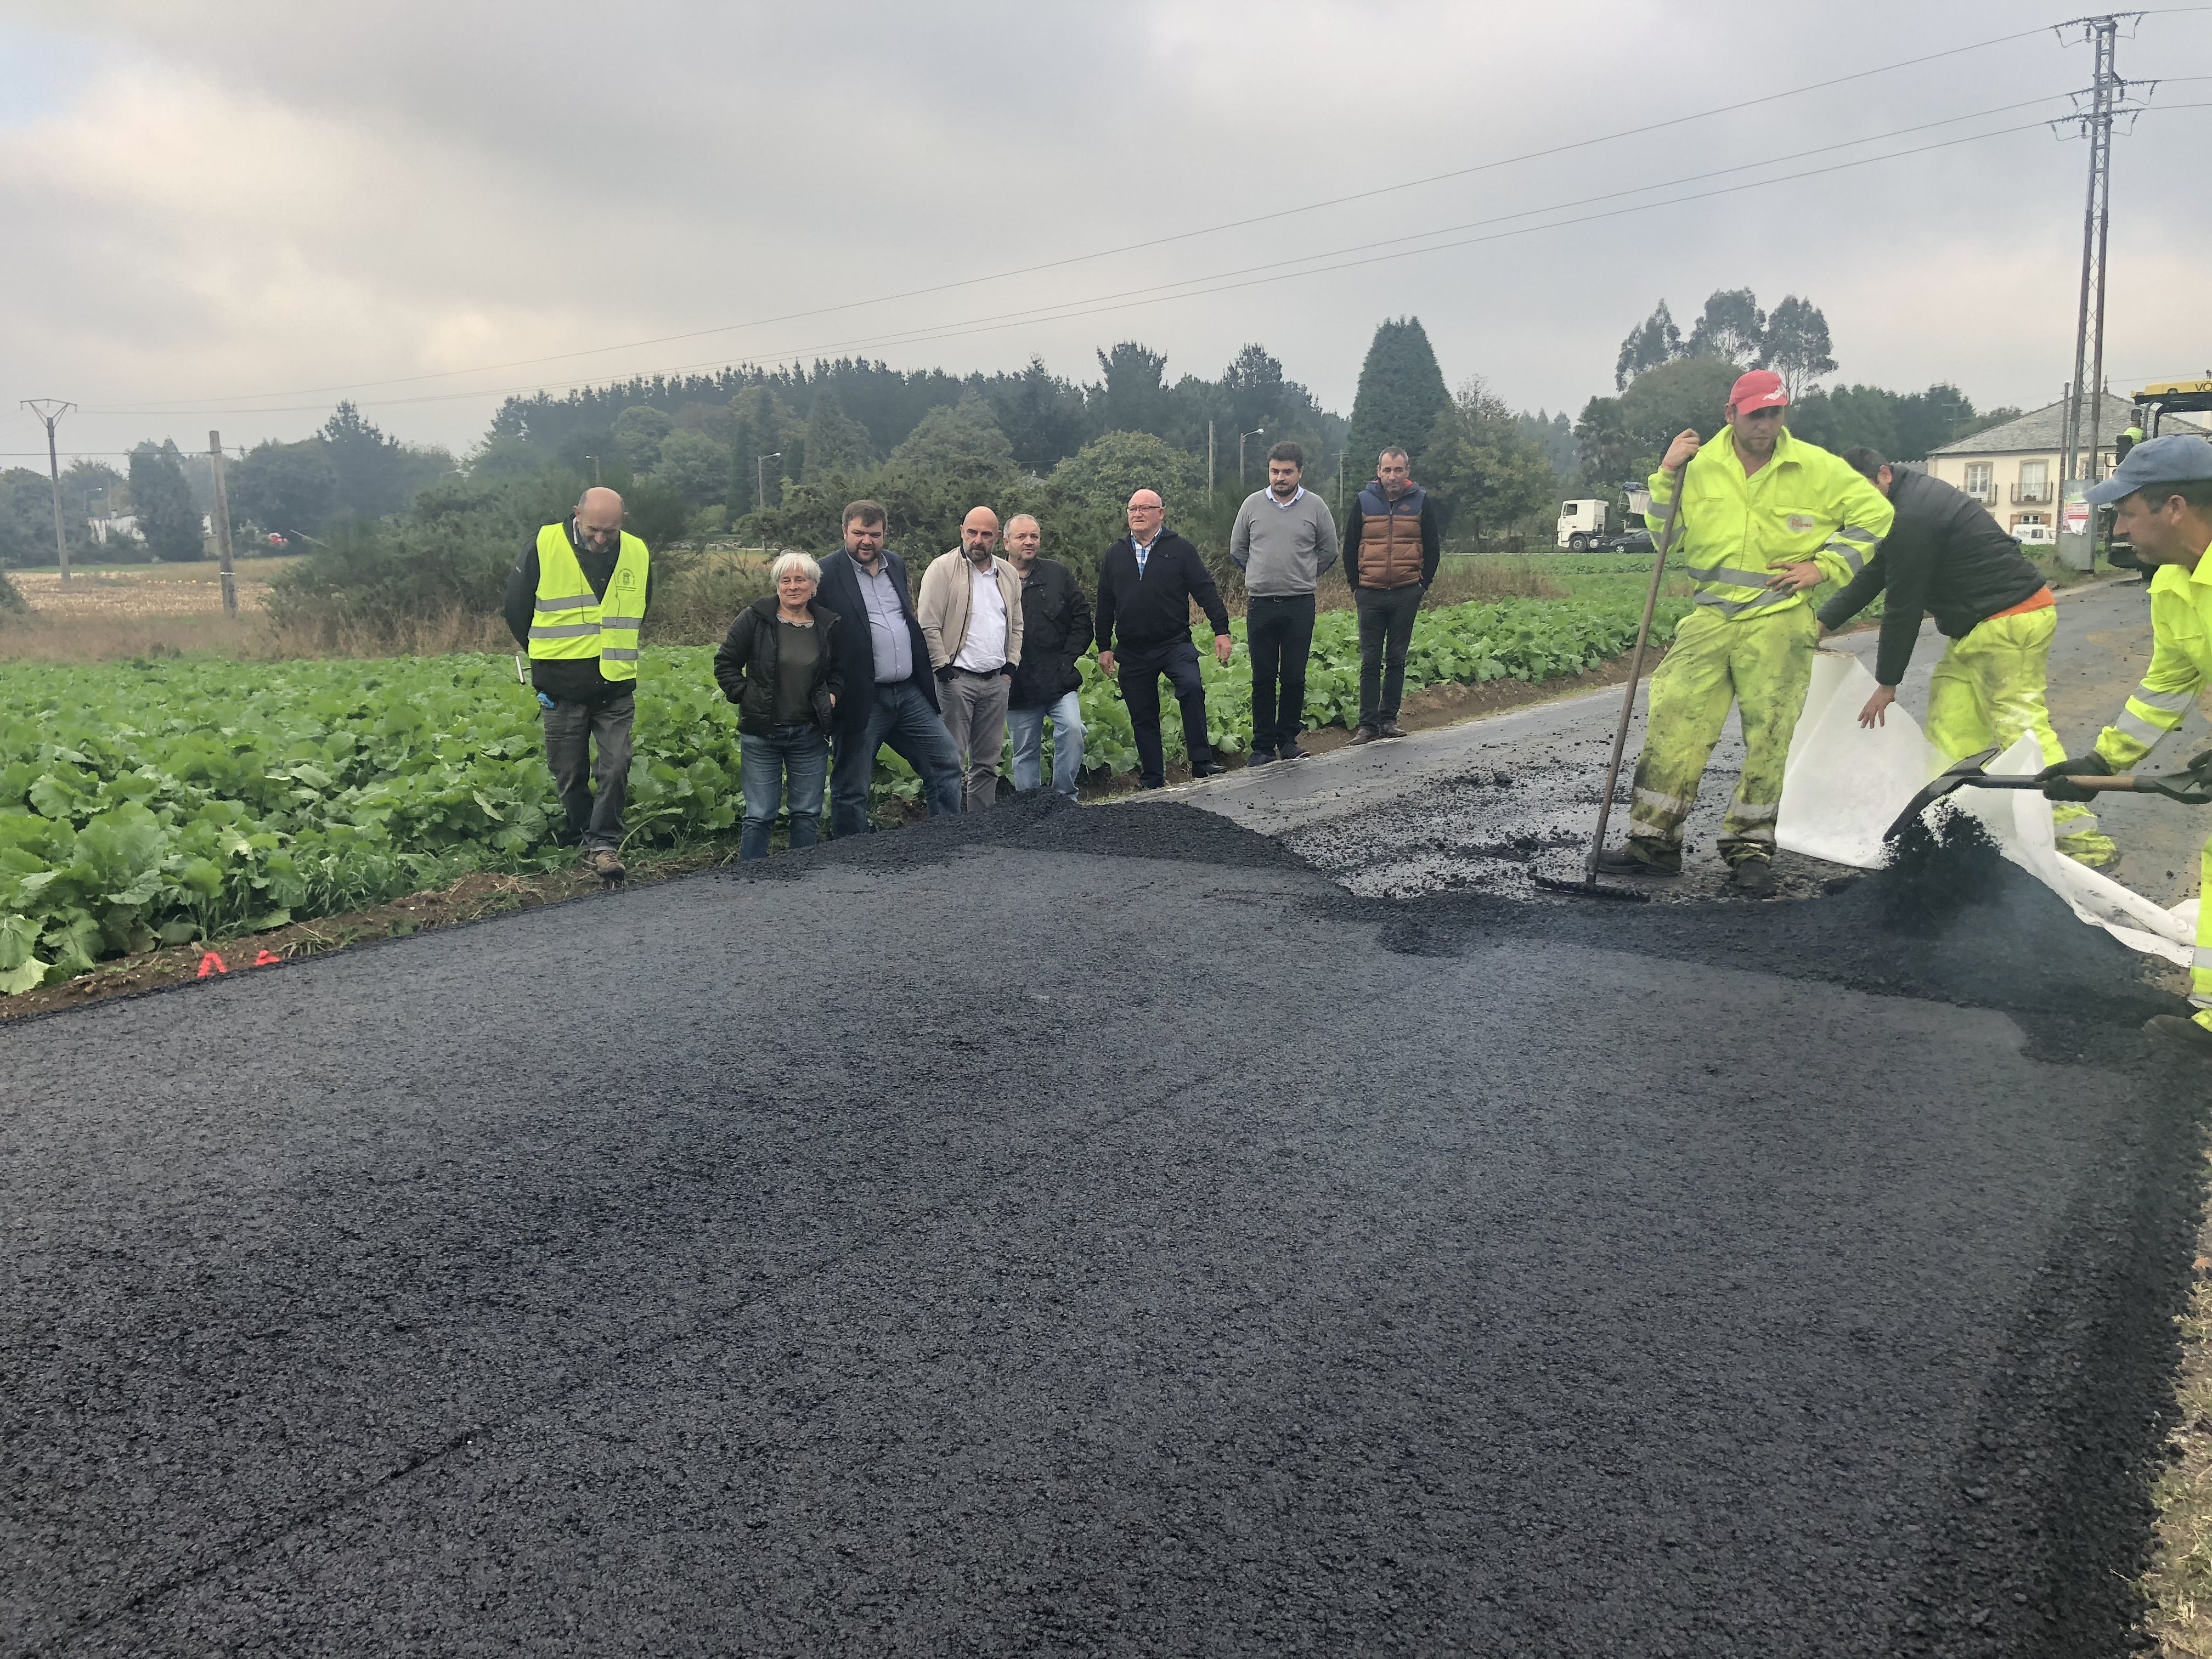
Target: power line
1163	242
1097	305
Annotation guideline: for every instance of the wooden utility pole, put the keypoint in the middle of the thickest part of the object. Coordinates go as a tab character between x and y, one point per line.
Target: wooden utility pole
1209	464
50	410
221	517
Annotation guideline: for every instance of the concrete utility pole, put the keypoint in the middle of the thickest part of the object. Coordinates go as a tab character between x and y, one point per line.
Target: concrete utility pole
221	517
1257	432
1209	464
760	492
50	410
2106	100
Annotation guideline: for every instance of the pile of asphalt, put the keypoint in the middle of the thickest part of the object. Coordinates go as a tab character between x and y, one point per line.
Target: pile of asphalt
1057	1230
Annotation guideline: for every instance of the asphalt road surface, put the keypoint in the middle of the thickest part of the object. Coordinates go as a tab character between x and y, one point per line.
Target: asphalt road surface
1484	804
1100	1232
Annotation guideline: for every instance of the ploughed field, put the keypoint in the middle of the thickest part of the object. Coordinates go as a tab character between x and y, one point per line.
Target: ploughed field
153	802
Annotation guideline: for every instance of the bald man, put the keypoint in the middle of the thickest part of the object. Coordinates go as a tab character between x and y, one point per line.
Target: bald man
575	602
970	612
1146	584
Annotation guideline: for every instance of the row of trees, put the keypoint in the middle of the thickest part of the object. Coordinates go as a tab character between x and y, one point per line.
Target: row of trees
348	471
1793	341
1666	381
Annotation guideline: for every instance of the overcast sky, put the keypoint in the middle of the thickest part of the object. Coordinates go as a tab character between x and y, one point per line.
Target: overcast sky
240	210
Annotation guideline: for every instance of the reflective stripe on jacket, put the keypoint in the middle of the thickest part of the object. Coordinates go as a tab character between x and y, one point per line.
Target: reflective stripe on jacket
569	622
2180	663
1804	503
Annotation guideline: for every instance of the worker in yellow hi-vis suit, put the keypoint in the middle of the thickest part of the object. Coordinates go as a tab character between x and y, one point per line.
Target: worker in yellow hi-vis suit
1764	517
2164	492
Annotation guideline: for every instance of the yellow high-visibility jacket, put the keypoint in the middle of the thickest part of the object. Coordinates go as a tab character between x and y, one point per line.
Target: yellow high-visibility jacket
2180	663
1804	503
570	621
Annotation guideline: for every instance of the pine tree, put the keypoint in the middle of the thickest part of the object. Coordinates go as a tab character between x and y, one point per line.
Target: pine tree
835	442
163	502
1401	398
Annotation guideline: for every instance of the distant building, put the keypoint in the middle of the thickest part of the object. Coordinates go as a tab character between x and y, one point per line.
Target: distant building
124	526
2014	470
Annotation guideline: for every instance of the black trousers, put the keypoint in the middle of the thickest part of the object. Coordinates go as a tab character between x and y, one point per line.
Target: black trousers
1280	632
1386	629
1139	671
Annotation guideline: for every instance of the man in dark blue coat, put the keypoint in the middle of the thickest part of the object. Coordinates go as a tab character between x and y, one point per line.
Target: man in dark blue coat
890	695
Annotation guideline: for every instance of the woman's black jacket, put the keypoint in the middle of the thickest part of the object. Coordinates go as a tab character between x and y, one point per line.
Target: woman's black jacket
745	666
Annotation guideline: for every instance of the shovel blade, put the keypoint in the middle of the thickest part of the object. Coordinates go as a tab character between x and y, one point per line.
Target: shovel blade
1964	773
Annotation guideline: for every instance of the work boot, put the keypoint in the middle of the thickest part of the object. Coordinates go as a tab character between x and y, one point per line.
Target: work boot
1392	729
1627	861
2178	1032
605	863
1363	734
1754	878
1291	751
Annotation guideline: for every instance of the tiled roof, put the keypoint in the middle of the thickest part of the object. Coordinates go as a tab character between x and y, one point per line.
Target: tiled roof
2045	428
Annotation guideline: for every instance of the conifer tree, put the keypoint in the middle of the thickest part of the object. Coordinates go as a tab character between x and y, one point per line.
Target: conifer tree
1401	398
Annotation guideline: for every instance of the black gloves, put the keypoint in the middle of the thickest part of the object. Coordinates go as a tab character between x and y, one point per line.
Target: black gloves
2053	778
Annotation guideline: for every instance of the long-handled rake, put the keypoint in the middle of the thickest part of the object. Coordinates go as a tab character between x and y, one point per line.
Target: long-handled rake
1589	886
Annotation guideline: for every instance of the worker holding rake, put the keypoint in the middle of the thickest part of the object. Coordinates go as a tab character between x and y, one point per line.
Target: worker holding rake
2163	496
1764	517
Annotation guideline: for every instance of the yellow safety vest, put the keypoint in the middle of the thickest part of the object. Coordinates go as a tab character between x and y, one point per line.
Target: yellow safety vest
570	624
2180	663
1804	503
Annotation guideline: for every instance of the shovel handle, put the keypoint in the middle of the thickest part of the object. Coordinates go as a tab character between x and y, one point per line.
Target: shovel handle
2100	782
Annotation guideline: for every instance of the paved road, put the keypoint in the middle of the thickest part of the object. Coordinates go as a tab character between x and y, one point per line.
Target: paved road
1096	1231
1474	805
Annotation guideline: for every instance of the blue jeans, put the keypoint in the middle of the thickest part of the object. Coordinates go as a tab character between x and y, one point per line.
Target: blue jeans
900	715
804	754
1027	726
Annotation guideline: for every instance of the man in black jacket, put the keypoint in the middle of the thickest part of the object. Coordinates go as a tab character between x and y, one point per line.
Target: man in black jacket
891	695
1945	555
1056	632
1145	586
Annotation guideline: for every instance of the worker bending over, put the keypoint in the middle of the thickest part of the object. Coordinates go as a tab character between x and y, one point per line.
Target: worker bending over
1764	517
1945	554
2164	493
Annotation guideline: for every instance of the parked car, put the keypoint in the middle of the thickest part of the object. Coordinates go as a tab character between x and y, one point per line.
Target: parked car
1636	541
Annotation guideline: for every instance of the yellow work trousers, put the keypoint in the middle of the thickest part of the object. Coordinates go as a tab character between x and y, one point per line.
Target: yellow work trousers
1987	690
1762	664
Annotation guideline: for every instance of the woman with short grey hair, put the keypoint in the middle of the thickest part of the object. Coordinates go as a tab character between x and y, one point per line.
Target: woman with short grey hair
778	665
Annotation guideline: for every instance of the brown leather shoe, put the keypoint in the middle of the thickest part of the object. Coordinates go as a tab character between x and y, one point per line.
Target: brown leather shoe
1392	729
604	864
1363	734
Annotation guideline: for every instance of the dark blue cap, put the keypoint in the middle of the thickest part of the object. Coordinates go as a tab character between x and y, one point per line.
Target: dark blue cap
2179	458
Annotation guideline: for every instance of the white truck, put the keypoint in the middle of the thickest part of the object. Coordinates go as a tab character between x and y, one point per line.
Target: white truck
1581	523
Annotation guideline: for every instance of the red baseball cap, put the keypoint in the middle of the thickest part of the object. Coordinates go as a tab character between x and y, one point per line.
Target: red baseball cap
1760	389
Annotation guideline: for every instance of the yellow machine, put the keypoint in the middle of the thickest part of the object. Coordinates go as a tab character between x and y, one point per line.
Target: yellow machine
2164	398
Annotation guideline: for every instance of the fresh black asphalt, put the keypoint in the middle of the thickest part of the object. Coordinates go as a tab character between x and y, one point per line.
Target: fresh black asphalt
1096	1232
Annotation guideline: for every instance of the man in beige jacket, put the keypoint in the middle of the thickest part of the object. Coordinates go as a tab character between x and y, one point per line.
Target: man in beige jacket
970	612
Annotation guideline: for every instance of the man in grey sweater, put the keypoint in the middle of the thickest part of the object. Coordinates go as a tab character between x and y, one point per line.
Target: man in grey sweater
1284	538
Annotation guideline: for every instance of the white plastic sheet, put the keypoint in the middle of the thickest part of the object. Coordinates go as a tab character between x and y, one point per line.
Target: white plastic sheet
1844	785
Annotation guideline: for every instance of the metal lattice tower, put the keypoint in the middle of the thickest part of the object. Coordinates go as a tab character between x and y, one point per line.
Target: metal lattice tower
2105	100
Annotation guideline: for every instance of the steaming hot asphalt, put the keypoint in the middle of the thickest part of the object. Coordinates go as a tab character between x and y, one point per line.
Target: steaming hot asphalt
1098	1232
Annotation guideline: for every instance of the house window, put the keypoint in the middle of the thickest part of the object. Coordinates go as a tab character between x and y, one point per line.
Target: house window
2034	475
1981	481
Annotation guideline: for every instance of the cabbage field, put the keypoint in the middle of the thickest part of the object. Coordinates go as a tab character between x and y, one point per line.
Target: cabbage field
158	803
